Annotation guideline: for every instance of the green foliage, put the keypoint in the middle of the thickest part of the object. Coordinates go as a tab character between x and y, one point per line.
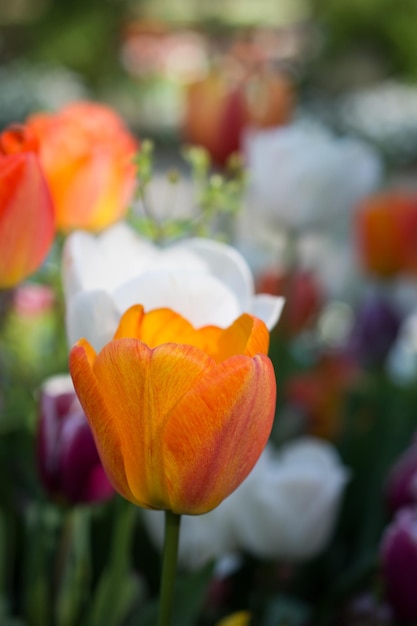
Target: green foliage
385	28
218	196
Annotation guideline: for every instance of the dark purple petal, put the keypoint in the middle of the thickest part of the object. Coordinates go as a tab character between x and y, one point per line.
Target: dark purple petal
68	462
399	563
98	487
375	330
79	457
54	406
401	486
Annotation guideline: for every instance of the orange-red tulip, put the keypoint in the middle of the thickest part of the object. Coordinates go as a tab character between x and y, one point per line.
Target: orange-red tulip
386	226
26	211
86	152
180	416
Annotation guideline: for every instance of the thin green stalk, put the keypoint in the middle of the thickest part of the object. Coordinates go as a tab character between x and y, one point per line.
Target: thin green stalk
169	567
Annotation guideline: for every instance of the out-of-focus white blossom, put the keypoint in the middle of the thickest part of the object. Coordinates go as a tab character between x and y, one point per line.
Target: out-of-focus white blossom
384	114
205	281
288	505
302	176
285	509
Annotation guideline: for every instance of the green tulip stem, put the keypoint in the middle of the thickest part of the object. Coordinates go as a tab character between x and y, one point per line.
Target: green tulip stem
169	567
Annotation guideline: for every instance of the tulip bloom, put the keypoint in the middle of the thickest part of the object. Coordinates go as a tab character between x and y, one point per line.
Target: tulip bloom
298	179
86	153
303	294
68	462
218	109
26	212
318	395
386	227
180	416
398	552
401	484
375	330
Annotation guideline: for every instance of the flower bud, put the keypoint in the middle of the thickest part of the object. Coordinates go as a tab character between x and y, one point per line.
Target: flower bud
399	563
375	330
401	486
68	461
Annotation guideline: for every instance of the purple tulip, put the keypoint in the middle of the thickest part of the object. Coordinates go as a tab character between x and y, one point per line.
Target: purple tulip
68	462
399	563
401	485
375	330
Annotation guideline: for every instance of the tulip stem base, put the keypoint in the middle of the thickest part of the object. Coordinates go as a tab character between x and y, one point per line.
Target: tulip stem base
169	567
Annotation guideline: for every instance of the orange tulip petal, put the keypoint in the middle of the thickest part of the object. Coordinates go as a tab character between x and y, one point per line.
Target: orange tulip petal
26	217
247	335
216	433
103	426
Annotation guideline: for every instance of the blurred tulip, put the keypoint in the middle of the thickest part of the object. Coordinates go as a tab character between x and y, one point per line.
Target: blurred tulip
288	505
298	179
285	509
374	331
398	554
26	212
319	394
180	416
386	229
205	281
303	297
220	107
68	462
87	155
401	484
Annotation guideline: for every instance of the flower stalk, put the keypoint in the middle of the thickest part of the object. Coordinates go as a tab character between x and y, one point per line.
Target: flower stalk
169	567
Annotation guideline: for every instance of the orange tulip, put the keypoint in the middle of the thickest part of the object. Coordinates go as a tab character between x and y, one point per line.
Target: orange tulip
86	153
26	210
180	416
386	226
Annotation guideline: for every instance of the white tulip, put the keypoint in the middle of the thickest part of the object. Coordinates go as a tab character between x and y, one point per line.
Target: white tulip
205	281
288	505
302	176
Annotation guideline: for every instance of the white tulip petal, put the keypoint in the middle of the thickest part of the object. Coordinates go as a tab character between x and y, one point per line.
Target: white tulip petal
201	299
125	253
268	308
93	315
226	263
58	385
